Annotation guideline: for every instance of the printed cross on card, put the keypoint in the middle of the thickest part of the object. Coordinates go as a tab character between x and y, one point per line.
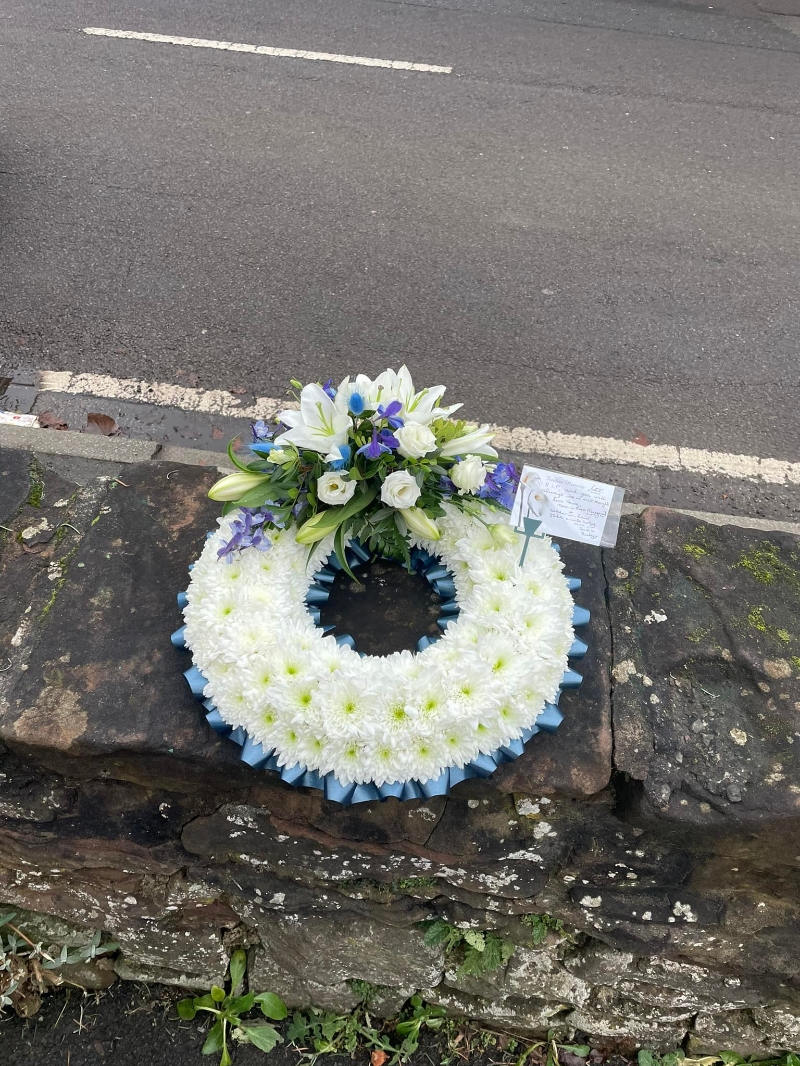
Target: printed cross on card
529	527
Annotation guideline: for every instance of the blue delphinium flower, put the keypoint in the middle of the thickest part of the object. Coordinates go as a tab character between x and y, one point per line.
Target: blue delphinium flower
374	448
345	451
261	430
389	414
501	485
328	388
246	532
388	438
447	486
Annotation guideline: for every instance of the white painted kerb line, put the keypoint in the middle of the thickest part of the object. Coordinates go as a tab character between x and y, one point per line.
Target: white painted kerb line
511	438
267	50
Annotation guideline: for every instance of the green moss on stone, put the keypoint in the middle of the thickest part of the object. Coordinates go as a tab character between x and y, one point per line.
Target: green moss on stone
755	619
795	661
695	549
765	564
409	884
36	490
695	636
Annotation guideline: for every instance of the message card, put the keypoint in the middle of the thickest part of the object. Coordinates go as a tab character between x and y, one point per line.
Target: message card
570	508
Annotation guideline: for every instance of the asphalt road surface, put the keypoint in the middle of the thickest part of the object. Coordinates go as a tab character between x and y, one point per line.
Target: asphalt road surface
591	224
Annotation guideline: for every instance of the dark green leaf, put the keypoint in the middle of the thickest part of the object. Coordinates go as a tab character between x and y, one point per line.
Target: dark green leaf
234	458
298	1029
272	1006
340	548
240	1004
213	1040
238	968
646	1058
263	1036
581	1050
186	1009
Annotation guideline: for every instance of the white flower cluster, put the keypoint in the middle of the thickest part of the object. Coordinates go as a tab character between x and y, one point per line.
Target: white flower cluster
387	718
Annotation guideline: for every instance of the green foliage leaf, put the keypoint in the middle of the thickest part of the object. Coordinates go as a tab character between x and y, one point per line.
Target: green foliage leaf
475	939
186	1009
730	1058
240	1004
271	1006
540	925
8	917
340	548
298	1029
440	932
217	993
496	953
646	1058
265	1037
238	969
581	1050
214	1040
234	458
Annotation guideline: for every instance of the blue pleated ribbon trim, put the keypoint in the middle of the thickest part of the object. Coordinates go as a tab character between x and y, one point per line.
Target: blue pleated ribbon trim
442	581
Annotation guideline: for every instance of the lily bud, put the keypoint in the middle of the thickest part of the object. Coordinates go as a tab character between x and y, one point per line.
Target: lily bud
234	486
419	523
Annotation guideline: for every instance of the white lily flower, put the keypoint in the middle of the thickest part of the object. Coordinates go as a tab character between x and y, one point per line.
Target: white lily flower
318	425
357	397
474	441
421	407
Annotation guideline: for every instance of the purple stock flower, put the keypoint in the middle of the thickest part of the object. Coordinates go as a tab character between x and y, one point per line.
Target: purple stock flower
501	485
328	388
447	485
247	532
375	448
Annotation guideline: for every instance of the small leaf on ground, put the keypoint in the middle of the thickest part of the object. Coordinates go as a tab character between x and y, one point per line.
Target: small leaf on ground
641	438
98	423
50	420
378	1058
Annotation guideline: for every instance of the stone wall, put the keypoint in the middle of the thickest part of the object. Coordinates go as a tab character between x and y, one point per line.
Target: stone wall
660	824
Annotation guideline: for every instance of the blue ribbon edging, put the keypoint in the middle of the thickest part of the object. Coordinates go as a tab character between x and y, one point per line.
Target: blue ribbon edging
441	580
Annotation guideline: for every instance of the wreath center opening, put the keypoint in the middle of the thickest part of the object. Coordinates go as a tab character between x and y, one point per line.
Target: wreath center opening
387	612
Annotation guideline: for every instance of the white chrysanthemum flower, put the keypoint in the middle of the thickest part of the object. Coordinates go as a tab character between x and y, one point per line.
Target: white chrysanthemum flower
404	716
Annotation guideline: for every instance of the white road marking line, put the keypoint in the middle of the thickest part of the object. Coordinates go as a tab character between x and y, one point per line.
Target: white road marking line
510	438
266	50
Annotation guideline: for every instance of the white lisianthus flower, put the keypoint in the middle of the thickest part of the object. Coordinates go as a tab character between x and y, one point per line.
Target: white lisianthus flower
279	456
332	488
468	475
415	440
473	441
400	489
